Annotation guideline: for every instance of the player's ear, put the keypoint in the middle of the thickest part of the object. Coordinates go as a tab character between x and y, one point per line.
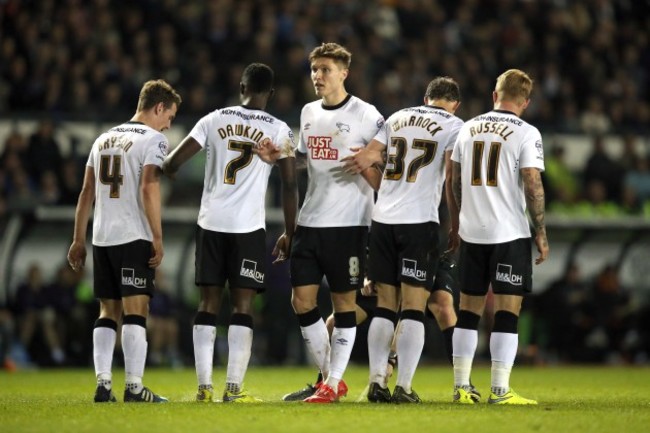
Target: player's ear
495	96
271	93
242	88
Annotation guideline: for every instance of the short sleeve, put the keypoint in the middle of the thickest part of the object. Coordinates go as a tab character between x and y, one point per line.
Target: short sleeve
200	131
286	142
532	151
158	149
373	122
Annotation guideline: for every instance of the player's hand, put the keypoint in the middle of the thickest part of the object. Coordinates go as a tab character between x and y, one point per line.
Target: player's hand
360	160
267	151
282	249
157	253
77	256
368	288
542	247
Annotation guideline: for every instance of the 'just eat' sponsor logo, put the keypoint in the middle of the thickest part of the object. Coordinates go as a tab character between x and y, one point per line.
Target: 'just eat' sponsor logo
320	148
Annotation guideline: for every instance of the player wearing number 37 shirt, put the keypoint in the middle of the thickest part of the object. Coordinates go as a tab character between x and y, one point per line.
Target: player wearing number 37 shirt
230	236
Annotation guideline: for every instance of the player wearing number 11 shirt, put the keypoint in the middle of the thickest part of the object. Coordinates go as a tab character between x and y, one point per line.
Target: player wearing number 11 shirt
230	236
496	177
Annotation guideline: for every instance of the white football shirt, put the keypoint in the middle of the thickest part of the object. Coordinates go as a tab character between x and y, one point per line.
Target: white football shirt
327	134
234	188
117	158
492	149
416	139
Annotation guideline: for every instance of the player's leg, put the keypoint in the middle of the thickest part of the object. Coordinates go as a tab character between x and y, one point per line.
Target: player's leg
240	342
107	289
409	340
474	282
441	306
210	277
342	257
104	336
382	269
342	339
204	334
512	280
134	346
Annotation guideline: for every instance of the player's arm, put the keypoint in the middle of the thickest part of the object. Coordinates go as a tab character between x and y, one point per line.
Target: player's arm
77	251
456	187
373	175
177	157
289	207
534	192
452	206
301	160
150	194
366	157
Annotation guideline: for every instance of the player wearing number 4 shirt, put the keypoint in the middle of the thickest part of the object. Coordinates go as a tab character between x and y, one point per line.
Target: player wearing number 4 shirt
123	179
230	236
418	142
333	223
496	176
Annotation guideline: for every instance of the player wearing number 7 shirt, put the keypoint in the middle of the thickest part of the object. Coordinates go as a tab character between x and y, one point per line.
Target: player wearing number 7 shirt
496	176
123	179
230	236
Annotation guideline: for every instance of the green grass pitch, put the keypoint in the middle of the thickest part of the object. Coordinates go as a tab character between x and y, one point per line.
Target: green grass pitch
572	399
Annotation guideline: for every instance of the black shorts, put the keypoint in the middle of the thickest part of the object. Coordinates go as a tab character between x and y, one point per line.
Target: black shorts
123	270
404	253
238	258
338	253
507	266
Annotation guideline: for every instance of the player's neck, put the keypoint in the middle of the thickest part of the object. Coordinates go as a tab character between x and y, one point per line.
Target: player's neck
335	98
143	117
514	108
253	103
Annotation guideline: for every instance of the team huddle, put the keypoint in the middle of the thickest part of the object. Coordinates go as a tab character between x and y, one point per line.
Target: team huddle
489	169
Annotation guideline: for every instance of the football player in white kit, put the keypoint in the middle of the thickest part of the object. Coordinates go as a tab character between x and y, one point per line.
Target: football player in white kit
332	230
496	175
123	180
418	142
230	236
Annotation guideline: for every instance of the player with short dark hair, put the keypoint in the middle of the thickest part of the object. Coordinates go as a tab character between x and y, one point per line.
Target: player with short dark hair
230	235
404	244
497	161
123	180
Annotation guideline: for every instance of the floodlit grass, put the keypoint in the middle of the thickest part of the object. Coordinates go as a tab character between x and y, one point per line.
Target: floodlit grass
574	399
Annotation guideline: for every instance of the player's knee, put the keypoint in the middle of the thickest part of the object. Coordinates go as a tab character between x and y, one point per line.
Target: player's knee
445	315
302	305
467	320
505	321
310	317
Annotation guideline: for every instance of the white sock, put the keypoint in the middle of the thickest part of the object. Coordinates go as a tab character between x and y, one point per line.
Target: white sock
103	348
134	346
465	342
240	341
341	343
318	345
203	337
503	349
410	341
380	335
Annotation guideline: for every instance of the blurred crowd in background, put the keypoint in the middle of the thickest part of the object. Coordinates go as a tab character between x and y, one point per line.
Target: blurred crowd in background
87	59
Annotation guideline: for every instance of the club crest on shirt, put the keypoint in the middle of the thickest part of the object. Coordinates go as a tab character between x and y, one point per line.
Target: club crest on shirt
321	148
343	127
